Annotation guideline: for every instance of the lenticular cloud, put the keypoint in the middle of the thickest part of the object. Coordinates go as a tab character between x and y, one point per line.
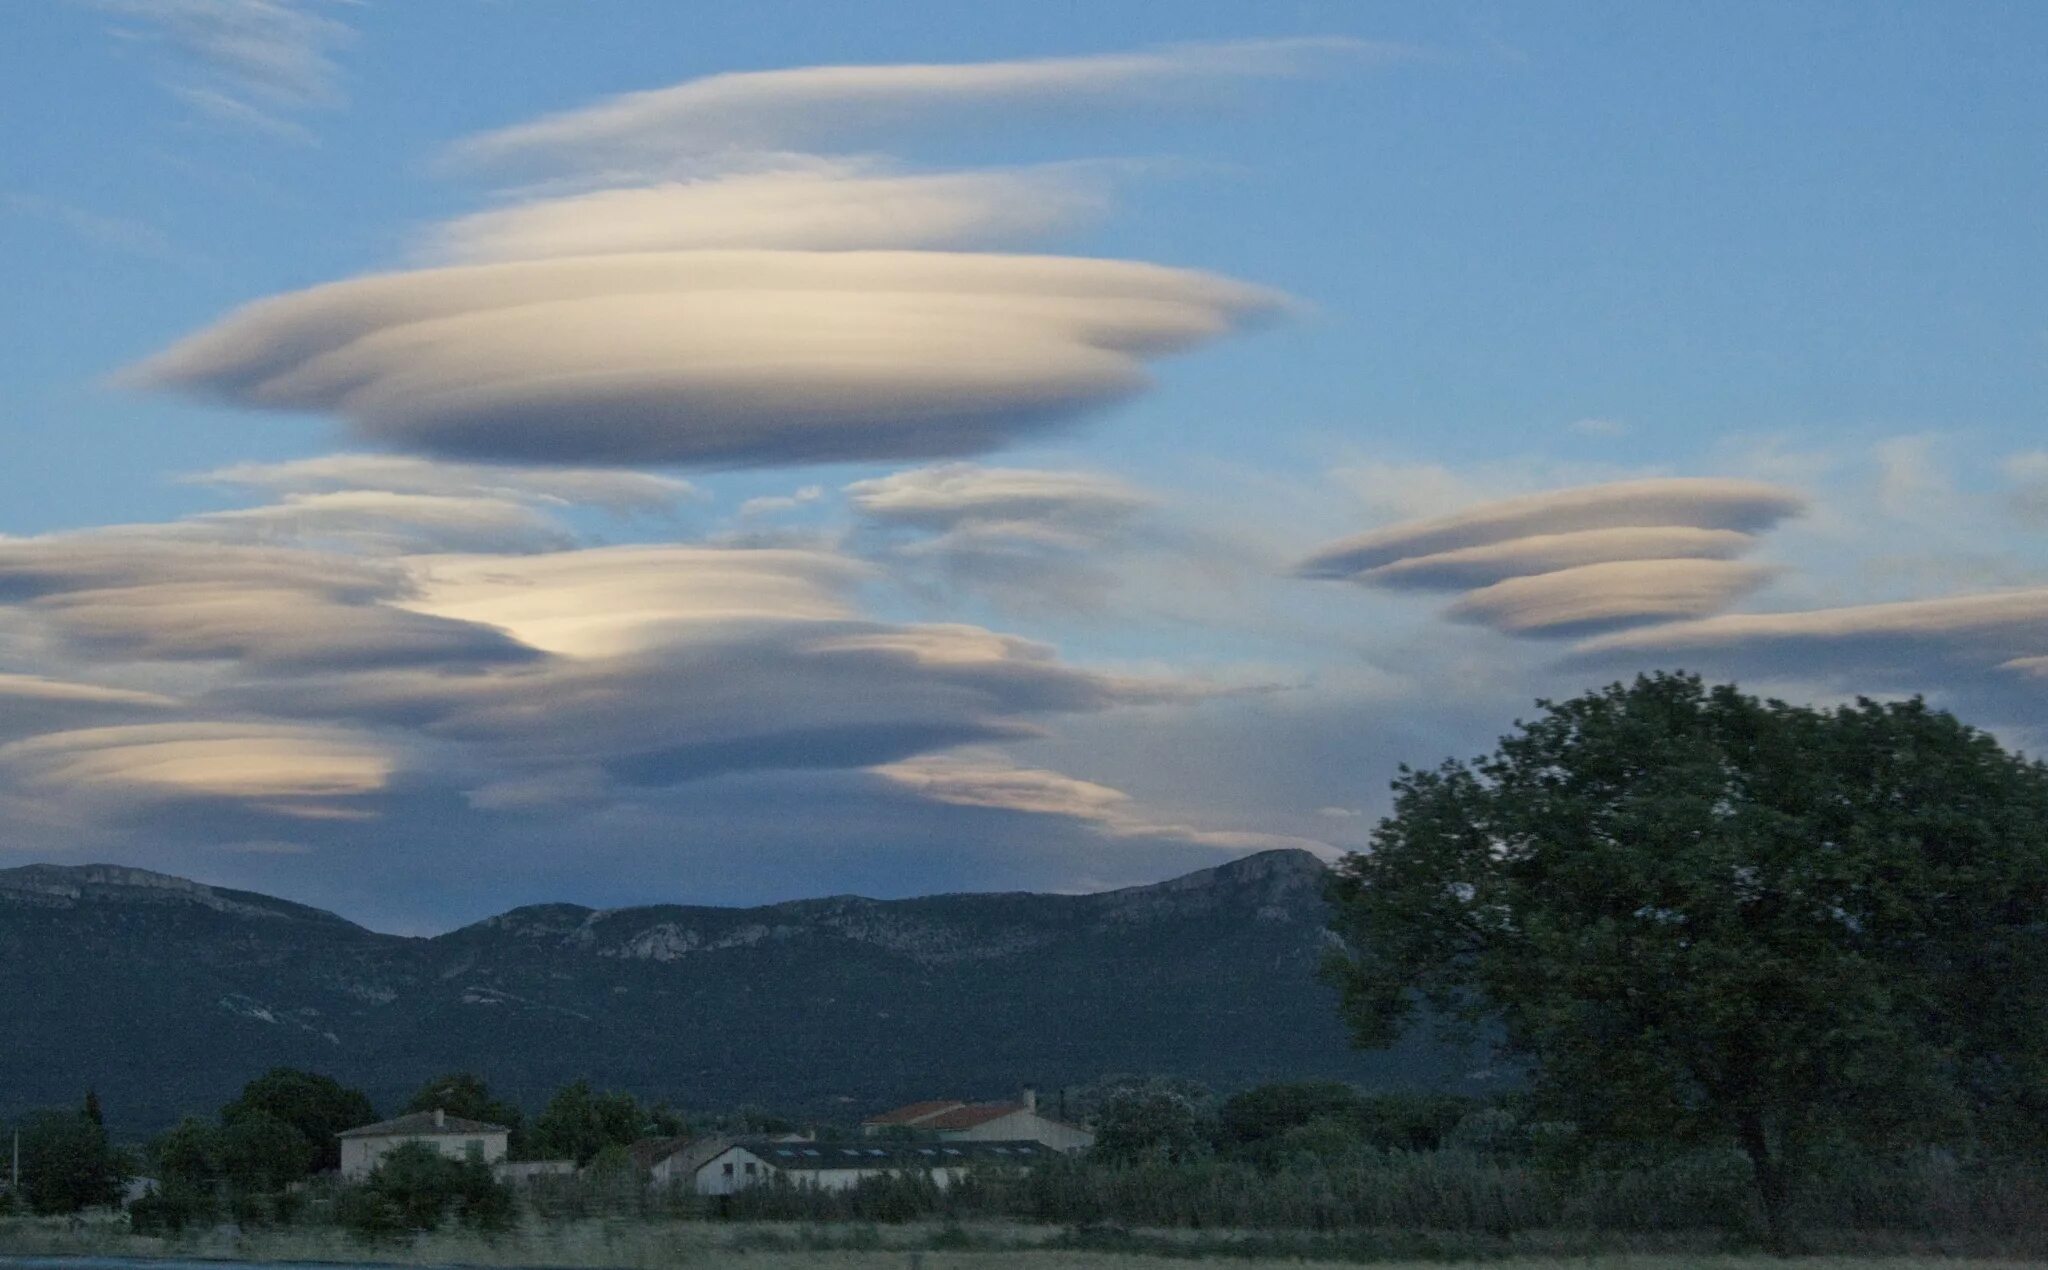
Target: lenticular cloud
1576	560
765	308
712	357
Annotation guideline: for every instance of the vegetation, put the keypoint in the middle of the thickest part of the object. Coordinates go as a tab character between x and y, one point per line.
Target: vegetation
1704	920
68	1164
1757	969
579	1123
314	1107
415	1187
465	1094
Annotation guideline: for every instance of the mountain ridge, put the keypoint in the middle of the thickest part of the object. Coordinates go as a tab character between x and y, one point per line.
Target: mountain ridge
166	994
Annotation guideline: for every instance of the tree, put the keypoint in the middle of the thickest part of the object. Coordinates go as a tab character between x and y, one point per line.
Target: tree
92	1108
414	1186
262	1155
187	1159
465	1094
1701	917
189	1151
578	1123
319	1107
68	1164
1147	1126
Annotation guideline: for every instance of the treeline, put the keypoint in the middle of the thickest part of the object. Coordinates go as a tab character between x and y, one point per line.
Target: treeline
1313	1156
251	1161
1324	1157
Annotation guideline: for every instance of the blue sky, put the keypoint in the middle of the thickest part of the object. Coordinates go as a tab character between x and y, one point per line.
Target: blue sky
1781	262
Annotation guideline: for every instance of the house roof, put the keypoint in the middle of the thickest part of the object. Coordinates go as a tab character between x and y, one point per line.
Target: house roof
883	1156
422	1124
915	1112
968	1115
648	1152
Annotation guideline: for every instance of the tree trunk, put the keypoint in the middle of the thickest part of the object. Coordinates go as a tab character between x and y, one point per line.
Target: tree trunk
1771	1186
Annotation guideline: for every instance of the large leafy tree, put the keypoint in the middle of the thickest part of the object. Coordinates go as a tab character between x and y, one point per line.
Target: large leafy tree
578	1122
318	1107
1149	1126
1701	917
262	1155
68	1164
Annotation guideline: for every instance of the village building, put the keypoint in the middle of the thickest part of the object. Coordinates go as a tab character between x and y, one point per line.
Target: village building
362	1149
674	1161
836	1166
950	1120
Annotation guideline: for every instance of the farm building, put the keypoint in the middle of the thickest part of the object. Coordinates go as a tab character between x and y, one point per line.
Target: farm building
835	1166
951	1120
362	1148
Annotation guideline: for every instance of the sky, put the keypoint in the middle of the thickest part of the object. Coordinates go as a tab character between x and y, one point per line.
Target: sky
480	452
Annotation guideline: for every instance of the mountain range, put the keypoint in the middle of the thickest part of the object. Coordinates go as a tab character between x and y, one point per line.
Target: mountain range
164	995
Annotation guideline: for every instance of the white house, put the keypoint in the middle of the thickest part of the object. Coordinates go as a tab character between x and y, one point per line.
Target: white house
951	1120
361	1149
674	1161
835	1166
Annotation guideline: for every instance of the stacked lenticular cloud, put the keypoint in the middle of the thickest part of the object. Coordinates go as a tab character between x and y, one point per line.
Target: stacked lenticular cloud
1572	561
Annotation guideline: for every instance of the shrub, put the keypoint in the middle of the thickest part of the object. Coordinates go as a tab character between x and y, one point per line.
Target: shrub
415	1187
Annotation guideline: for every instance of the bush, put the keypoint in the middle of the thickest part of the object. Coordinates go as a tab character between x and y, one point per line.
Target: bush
172	1207
415	1187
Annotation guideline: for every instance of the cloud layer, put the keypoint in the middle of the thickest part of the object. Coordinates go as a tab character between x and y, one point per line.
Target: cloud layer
752	306
1913	645
714	357
819	107
1575	560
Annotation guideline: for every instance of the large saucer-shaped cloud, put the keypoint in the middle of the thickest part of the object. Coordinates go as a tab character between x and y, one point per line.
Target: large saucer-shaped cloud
711	357
1576	560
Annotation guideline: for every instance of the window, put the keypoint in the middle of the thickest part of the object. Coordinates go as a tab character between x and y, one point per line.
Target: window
474	1148
728	1168
750	1168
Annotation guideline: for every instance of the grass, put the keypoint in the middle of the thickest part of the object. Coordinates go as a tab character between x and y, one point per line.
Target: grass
636	1244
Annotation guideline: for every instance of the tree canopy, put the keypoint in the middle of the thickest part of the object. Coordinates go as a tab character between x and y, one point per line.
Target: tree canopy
1698	916
578	1122
318	1107
68	1164
465	1094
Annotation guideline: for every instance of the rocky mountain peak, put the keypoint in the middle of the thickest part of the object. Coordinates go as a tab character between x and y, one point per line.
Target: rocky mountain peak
71	886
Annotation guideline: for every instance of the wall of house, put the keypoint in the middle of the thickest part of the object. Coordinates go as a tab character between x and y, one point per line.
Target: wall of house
732	1170
712	1178
846	1179
1021	1126
360	1155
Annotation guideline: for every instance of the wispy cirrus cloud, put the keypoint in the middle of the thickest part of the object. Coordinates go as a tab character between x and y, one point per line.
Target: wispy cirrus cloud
1030	537
249	64
817	108
990	782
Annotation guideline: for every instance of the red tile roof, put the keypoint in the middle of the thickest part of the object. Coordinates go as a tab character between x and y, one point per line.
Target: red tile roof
968	1115
916	1112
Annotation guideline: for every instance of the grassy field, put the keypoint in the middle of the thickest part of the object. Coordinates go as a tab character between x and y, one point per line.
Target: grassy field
642	1245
